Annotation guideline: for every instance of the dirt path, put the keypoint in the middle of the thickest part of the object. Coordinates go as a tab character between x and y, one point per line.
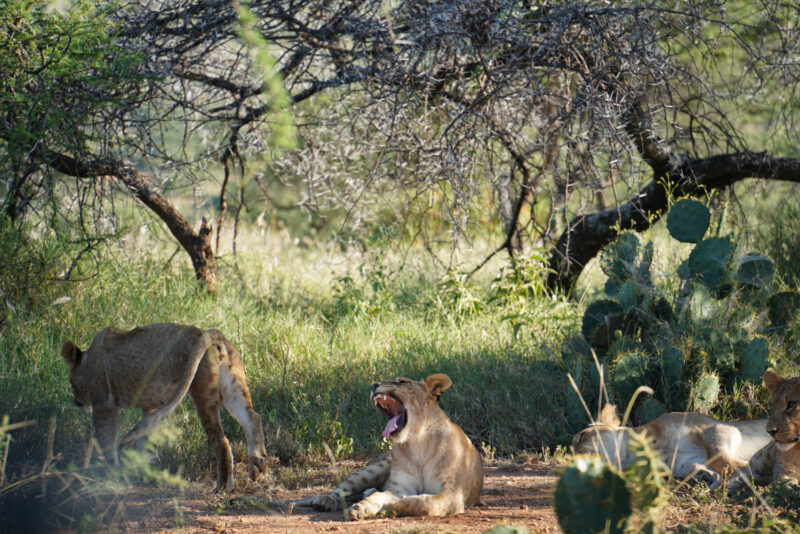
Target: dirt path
519	495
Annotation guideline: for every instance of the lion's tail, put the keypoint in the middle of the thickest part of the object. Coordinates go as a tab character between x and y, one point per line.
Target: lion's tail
211	342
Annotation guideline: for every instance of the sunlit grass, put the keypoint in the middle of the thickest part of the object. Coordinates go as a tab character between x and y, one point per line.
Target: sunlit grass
314	329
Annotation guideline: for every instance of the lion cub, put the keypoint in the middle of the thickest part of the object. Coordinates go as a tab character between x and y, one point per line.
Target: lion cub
432	468
780	457
691	444
151	368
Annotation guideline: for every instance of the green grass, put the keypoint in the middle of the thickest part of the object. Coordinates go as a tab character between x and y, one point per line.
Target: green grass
313	335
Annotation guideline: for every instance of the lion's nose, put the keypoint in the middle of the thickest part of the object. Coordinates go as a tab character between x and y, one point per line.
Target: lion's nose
772	431
374	386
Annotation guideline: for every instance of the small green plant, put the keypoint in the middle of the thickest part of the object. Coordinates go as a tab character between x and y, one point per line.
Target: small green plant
455	295
366	294
693	343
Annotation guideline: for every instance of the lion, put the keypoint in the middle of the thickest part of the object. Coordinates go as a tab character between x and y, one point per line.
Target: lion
432	468
151	368
779	459
693	445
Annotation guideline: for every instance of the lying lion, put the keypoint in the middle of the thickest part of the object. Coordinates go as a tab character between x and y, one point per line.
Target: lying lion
151	368
691	444
432	468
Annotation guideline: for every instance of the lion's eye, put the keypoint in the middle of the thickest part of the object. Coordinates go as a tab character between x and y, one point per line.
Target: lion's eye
791	405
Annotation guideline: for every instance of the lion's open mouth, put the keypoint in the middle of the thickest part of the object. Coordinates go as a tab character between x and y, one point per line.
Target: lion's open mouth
394	410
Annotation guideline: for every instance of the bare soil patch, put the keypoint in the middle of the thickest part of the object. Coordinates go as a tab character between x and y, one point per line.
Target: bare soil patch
518	494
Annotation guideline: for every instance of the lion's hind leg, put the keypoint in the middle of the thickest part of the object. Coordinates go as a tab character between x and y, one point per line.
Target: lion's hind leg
236	398
444	503
722	443
205	394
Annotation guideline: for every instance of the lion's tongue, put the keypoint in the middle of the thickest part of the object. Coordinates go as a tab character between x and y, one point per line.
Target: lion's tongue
391	426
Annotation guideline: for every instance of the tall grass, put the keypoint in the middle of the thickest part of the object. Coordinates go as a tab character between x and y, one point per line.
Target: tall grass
313	333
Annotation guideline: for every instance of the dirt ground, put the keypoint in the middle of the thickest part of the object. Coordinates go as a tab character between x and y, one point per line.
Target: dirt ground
512	494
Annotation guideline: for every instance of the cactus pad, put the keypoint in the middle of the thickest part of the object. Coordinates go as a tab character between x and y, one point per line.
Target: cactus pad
672	366
618	260
755	271
705	393
631	370
591	497
720	354
709	262
626	297
688	220
601	319
754	361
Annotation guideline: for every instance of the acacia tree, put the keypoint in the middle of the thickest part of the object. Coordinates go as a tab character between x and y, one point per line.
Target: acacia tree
581	118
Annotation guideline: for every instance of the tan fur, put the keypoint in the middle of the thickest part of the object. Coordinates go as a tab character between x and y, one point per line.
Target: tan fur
152	368
691	444
432	468
780	458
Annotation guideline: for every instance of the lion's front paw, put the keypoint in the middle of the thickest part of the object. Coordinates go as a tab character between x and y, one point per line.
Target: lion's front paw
360	510
258	468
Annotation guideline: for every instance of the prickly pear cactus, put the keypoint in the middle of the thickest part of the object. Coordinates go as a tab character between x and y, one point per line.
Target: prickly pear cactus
705	393
618	260
643	272
709	262
719	351
648	476
672	366
754	361
631	370
755	271
626	296
687	220
600	320
591	497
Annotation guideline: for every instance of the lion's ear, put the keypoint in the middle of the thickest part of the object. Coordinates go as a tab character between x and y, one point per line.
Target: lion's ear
71	353
608	415
437	384
772	381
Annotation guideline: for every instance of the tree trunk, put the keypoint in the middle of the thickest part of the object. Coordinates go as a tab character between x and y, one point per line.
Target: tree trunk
586	235
196	244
